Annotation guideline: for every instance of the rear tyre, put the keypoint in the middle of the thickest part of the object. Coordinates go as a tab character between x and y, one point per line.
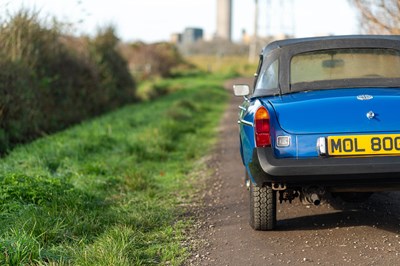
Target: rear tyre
262	207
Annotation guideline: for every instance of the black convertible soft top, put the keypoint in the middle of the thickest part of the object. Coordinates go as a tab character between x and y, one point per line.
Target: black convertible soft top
330	42
284	50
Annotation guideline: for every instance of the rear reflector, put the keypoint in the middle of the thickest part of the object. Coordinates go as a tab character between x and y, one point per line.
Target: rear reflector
283	141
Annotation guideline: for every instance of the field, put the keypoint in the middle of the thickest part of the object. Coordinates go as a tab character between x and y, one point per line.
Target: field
112	190
227	65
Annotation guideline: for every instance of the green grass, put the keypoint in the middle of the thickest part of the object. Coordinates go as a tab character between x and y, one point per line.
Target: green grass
110	191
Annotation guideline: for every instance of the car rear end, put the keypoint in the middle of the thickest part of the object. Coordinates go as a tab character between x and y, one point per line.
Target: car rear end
323	118
330	114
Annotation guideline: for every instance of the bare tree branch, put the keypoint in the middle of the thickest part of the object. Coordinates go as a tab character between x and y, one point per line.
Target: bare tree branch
379	16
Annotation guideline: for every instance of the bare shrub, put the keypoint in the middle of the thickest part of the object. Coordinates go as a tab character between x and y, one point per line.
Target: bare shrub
152	60
379	16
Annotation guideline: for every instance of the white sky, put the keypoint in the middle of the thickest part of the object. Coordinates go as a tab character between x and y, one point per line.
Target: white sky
155	20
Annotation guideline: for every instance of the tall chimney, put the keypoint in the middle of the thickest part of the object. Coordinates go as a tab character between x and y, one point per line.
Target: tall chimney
224	19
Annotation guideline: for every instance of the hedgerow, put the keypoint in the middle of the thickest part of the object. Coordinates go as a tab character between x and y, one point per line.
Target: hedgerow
49	80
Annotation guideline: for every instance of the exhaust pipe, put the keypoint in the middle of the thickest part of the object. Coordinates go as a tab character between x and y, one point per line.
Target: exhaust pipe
315	199
313	195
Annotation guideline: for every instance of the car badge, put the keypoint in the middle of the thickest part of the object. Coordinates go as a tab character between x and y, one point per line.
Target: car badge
370	115
364	97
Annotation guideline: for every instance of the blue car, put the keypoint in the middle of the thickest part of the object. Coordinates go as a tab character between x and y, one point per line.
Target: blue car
322	119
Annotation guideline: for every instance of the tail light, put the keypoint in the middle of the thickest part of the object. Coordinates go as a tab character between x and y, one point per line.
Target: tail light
262	127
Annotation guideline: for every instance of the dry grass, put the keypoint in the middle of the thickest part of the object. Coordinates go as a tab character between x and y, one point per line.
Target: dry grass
227	65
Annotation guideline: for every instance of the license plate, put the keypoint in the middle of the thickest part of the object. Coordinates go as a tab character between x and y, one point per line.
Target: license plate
363	145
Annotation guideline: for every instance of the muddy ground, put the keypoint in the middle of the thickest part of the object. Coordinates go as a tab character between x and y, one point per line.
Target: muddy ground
329	234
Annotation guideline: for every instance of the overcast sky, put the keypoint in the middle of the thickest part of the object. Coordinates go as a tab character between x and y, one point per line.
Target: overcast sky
156	20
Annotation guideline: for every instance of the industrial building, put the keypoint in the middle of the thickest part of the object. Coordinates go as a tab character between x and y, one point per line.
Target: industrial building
192	35
224	20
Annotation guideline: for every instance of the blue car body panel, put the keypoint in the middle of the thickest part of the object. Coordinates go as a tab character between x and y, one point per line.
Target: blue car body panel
306	116
321	114
337	111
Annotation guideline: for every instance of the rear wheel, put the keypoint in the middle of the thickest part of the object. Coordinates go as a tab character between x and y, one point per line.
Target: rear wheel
262	207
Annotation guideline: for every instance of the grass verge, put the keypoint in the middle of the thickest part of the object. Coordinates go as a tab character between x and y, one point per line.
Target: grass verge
110	191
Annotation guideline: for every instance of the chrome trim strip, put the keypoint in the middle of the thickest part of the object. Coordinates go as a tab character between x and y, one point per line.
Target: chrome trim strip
244	122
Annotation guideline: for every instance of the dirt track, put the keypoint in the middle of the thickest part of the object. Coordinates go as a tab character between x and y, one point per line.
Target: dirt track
329	234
